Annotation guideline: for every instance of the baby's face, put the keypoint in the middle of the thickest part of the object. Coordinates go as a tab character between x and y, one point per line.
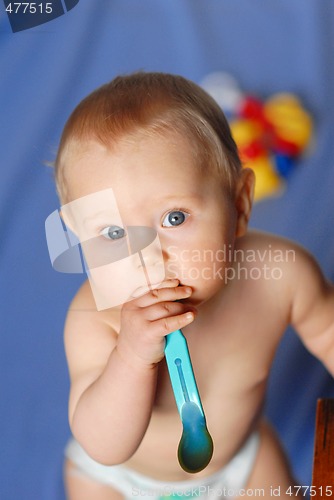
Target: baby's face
155	183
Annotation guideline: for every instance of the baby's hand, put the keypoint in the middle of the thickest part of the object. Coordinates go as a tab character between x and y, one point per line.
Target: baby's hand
146	320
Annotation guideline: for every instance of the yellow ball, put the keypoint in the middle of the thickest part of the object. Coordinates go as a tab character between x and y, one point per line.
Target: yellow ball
245	131
290	120
268	183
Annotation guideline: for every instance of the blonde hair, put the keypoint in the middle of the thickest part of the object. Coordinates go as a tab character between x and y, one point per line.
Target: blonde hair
153	103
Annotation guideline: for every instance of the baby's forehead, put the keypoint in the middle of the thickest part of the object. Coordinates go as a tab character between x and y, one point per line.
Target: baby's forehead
75	151
139	167
128	152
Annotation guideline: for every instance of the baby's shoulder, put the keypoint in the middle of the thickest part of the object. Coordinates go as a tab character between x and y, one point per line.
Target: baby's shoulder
84	302
263	242
266	269
279	256
258	247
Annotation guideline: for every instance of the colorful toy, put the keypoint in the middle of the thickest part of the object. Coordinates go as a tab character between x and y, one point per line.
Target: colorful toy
271	136
196	446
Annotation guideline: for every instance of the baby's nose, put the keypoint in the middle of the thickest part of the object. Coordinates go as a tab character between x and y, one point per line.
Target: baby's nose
150	257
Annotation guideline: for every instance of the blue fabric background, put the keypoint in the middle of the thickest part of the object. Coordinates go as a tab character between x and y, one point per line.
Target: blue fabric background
269	46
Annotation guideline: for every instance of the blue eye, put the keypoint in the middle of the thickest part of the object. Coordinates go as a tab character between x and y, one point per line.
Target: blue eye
174	218
113	233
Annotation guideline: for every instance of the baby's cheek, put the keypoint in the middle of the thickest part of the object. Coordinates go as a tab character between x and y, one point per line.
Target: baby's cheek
203	275
201	264
114	284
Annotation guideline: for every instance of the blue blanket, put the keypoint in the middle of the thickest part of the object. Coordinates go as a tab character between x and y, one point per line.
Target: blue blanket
269	46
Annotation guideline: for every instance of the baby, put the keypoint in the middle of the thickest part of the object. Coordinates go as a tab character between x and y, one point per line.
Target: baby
163	149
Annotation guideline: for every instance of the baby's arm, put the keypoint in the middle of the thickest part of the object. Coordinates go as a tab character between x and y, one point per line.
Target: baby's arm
312	307
113	376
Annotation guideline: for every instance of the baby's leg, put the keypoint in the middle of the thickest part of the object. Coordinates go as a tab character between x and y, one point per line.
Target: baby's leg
81	487
271	474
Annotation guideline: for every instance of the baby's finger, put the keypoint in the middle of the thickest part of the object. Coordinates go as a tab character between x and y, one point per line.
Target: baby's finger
166	309
164	326
164	295
168	283
142	290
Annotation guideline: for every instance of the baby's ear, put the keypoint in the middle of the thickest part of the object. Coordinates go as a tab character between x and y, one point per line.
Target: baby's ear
244	199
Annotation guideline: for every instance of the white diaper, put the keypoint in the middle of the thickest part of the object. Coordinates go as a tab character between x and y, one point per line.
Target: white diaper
226	483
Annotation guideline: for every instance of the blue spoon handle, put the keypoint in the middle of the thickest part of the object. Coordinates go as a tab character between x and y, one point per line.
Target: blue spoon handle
181	371
196	446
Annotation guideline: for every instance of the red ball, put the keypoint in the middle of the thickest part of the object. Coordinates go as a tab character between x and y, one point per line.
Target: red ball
251	108
252	150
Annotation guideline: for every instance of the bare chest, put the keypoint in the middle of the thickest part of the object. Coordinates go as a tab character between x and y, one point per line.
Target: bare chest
231	364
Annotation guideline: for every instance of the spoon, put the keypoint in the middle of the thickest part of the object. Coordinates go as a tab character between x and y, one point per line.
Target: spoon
196	446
